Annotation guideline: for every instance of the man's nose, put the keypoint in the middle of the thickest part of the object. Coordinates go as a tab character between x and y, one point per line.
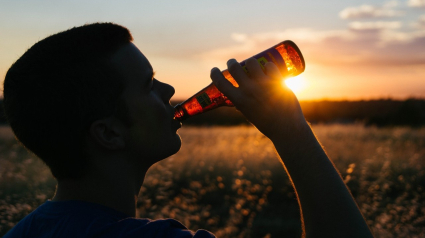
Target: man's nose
167	91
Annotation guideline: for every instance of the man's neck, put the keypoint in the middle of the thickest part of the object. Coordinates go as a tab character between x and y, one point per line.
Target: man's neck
114	191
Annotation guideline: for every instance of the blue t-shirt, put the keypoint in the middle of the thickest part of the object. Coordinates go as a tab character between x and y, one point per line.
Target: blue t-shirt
83	219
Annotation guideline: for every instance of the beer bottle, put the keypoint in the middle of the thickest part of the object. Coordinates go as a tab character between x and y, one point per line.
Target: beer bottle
285	54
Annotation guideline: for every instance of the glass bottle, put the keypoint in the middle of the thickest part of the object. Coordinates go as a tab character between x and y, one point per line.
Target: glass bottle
285	54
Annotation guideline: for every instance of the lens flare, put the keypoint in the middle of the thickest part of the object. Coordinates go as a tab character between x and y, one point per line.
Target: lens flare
296	84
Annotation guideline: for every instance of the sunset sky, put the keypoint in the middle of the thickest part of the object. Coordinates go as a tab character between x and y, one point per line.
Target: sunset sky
353	49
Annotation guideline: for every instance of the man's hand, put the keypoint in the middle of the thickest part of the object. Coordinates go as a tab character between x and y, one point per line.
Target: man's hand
328	209
261	97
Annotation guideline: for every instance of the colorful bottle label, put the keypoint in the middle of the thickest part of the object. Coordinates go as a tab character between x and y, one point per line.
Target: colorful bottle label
204	100
266	56
270	55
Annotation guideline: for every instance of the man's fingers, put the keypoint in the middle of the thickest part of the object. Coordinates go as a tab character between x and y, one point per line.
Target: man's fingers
275	75
273	71
237	72
254	69
223	84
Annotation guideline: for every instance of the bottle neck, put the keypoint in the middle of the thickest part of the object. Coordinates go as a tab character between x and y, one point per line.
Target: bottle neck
179	113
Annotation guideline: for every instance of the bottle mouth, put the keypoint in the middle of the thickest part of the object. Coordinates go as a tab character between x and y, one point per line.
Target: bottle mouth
178	113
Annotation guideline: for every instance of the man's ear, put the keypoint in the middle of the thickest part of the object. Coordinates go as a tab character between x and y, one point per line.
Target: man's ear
108	133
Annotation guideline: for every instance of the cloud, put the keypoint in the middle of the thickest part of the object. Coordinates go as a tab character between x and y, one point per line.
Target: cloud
361	44
238	37
416	3
378	25
399	37
419	23
369	11
368	44
246	45
390	4
307	34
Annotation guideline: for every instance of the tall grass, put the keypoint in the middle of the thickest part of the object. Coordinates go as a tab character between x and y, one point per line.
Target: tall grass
229	180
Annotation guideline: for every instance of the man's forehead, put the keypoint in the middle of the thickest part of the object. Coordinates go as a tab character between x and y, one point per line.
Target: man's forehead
129	59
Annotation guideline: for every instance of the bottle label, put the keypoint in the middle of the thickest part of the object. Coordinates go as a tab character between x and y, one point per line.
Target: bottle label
204	100
269	55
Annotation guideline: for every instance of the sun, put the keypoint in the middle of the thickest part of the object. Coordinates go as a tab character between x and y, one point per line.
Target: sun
296	84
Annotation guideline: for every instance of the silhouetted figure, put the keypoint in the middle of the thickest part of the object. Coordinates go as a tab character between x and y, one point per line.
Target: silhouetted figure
87	103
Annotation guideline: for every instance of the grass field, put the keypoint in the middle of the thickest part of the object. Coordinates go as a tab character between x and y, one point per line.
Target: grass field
229	180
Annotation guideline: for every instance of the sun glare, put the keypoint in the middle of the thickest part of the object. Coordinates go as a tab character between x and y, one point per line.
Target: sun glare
296	84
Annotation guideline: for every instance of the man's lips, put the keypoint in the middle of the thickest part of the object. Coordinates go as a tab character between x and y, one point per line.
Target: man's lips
175	121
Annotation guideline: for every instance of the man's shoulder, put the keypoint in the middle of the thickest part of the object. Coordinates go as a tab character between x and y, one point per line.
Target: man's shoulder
75	219
137	227
65	219
125	228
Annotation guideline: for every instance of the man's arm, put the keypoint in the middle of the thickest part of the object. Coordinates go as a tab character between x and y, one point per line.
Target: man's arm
327	207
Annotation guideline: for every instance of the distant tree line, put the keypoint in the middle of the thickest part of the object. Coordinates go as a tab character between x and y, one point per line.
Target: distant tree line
382	112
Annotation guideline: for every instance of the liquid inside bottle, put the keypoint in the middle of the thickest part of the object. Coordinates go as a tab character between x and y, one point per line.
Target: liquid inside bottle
284	55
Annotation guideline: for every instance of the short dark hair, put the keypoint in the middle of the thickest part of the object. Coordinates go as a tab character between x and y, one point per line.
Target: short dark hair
59	87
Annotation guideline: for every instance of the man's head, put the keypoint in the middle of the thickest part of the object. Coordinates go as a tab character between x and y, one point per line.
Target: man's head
152	132
62	85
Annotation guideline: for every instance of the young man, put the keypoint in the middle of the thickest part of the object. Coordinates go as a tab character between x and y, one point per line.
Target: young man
87	103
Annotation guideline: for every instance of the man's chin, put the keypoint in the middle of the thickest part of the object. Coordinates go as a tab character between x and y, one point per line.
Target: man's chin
172	148
176	146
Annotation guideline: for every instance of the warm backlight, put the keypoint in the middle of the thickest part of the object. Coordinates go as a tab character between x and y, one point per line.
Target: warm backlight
296	84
